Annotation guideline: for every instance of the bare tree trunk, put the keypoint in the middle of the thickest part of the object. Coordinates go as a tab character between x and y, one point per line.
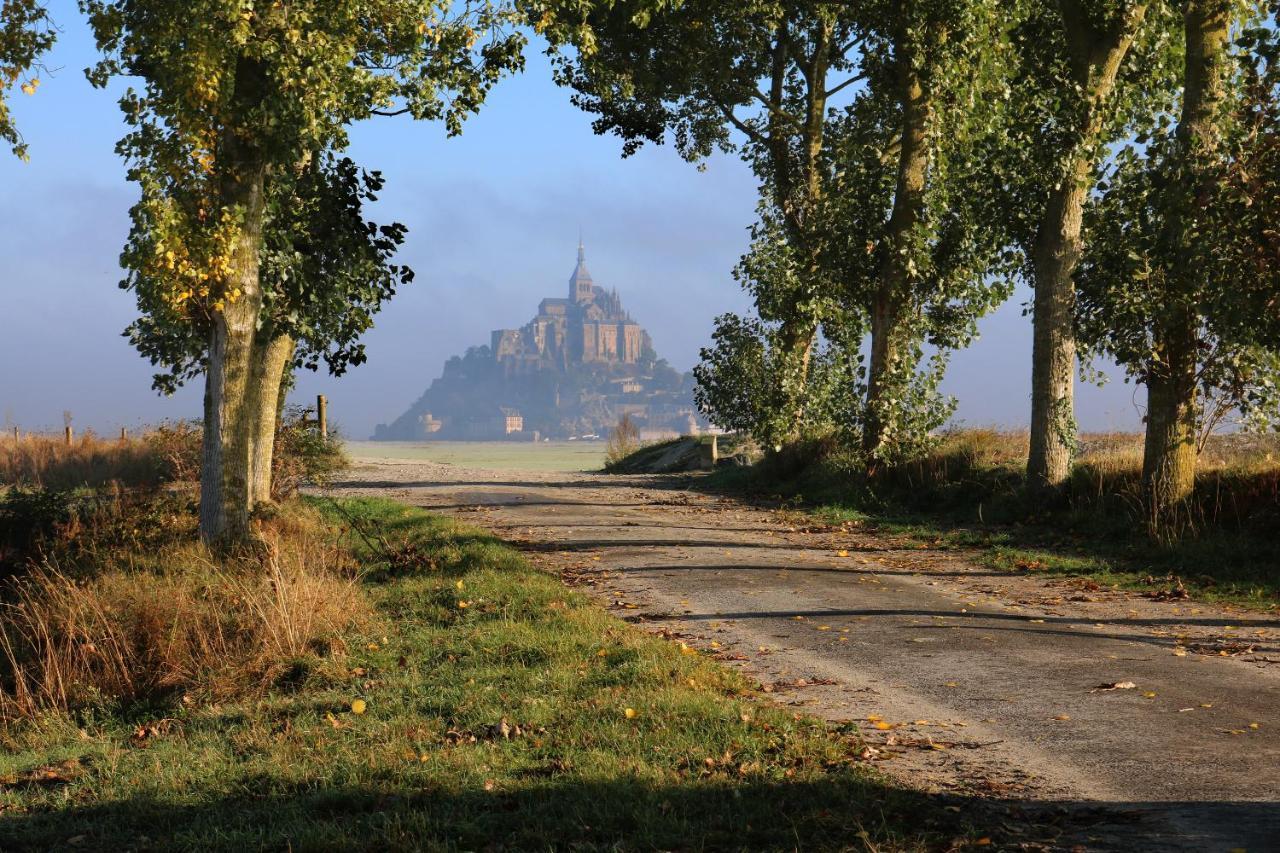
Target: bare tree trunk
1096	56
1169	458
226	477
893	294
268	381
1170	449
1053	348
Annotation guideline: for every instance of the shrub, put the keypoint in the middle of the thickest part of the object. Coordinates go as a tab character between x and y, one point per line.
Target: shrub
624	440
302	456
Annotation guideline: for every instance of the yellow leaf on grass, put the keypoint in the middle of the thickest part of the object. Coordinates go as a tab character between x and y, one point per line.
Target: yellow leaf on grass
630	713
882	725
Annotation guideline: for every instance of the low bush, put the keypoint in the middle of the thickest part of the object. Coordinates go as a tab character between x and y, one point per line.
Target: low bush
624	440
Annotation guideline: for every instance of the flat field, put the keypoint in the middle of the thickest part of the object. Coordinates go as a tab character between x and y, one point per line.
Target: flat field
504	455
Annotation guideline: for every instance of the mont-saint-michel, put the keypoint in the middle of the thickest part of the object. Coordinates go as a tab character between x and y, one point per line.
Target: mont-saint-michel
574	369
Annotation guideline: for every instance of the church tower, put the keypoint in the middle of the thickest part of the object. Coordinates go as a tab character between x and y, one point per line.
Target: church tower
580	283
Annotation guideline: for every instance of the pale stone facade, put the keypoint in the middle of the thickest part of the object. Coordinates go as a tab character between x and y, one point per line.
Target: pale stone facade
588	327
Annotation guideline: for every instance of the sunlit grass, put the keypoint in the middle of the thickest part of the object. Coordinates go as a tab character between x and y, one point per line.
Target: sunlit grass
500	709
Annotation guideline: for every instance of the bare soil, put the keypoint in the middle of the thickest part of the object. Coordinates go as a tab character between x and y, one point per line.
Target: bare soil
1127	722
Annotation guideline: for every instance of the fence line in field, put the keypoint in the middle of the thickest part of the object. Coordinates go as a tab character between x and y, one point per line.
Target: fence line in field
68	432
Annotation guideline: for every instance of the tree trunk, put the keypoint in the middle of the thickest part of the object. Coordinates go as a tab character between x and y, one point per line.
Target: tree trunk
226	475
1169	458
1095	61
893	294
1053	348
800	331
268	381
1170	450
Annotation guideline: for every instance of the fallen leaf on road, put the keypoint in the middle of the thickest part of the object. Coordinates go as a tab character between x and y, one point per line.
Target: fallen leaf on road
1114	685
1062	717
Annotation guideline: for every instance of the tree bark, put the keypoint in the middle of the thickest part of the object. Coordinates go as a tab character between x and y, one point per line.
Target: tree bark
226	477
1170	451
1095	61
892	296
268	383
797	186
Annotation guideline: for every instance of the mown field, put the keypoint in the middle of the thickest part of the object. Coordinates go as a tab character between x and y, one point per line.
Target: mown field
499	455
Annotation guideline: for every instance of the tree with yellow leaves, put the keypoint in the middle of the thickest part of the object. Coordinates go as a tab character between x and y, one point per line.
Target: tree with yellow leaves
233	97
25	35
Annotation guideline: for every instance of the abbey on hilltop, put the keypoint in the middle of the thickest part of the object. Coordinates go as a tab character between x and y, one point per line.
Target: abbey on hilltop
589	326
573	370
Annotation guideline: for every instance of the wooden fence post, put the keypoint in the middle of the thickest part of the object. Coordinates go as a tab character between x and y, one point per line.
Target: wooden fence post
124	435
68	435
322	416
16	437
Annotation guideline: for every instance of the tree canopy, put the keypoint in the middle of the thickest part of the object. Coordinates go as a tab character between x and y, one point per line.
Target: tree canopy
26	33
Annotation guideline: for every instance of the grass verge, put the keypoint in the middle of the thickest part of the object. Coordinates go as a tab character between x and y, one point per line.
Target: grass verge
969	494
481	705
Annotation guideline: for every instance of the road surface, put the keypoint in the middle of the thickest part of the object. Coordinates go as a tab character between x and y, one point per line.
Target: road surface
969	682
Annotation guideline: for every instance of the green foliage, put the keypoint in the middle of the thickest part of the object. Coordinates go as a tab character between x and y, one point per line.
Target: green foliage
269	88
1052	116
1185	227
302	456
325	272
27	515
752	78
738	389
25	34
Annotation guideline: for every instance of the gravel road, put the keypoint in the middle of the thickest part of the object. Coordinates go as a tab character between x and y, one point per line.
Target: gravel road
969	682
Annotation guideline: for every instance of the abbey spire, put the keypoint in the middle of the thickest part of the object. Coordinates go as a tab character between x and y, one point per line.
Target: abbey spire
580	283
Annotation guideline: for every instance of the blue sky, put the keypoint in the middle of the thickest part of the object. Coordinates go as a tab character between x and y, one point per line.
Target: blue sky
493	220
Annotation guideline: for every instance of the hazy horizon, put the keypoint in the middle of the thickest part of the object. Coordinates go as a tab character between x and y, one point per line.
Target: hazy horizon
493	217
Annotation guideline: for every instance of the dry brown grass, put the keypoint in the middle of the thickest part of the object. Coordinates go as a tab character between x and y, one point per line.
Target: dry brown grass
1237	482
175	621
165	453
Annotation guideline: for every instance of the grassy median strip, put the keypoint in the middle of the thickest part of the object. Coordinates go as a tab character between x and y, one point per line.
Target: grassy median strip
482	704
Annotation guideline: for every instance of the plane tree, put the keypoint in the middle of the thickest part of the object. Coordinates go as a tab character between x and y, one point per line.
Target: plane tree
1088	75
753	78
234	95
1180	283
26	33
325	272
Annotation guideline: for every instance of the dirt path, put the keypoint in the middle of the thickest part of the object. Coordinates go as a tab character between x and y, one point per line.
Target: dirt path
989	682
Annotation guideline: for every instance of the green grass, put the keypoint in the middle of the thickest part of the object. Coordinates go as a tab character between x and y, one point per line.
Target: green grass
1224	567
979	507
701	764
